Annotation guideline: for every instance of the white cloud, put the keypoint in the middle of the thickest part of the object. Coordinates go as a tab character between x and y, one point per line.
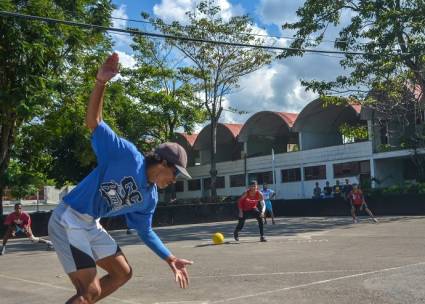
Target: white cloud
276	87
126	60
278	11
120	39
175	10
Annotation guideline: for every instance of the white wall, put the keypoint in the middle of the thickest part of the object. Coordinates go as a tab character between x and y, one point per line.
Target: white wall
389	171
328	156
318	140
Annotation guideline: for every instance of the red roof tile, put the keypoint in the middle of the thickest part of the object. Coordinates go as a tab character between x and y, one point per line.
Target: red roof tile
189	137
289	118
233	128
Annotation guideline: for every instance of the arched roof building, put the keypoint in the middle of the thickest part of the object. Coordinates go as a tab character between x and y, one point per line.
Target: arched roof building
187	141
267	130
318	123
228	147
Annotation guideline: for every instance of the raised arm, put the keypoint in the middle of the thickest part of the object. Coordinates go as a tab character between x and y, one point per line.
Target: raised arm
94	109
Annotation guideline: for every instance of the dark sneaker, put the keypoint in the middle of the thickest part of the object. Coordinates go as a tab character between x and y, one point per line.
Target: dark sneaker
236	236
263	239
3	250
273	222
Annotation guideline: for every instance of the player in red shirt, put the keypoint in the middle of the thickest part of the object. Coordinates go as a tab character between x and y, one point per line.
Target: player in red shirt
358	203
248	206
20	222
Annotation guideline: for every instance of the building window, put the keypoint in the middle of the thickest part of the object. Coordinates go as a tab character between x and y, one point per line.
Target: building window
291	175
365	167
237	180
351	169
346	169
315	172
179	186
261	177
194	184
219	182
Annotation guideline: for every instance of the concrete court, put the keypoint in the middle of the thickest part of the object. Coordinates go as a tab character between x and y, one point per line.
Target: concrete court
307	260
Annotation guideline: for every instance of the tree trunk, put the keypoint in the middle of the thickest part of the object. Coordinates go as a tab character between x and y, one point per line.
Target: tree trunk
213	170
6	142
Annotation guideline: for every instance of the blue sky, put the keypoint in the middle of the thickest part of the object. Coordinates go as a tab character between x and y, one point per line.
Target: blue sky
275	87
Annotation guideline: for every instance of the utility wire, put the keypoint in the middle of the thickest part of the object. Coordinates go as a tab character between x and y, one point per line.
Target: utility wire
251	34
173	37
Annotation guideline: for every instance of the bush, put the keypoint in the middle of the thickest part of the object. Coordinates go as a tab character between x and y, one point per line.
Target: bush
411	188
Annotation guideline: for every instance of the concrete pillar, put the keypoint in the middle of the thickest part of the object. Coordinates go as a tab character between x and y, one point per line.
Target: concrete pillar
370	130
302	181
372	172
300	141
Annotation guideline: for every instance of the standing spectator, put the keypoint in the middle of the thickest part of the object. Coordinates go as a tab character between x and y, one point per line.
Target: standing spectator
327	190
358	203
347	188
267	195
317	191
337	190
19	222
248	206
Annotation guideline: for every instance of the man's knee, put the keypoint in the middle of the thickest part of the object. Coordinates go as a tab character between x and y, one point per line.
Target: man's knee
91	293
128	274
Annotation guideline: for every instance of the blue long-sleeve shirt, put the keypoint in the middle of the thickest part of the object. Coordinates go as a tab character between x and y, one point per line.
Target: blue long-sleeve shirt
119	186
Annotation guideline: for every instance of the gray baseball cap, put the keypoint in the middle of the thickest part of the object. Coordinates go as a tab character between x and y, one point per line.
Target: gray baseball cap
174	154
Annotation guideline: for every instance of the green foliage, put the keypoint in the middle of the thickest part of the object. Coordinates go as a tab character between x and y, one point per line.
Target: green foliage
353	133
23	181
41	68
406	188
378	28
165	96
217	68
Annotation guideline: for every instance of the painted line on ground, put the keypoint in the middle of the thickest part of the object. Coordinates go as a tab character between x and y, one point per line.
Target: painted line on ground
9	277
316	283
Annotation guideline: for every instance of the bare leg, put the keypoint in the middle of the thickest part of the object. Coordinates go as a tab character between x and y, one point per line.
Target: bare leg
119	272
8	234
353	214
370	214
272	216
34	239
87	285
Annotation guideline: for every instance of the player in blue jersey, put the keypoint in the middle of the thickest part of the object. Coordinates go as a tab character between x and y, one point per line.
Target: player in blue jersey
125	182
268	194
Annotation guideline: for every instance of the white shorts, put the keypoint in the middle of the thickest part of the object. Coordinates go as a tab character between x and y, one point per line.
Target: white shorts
79	239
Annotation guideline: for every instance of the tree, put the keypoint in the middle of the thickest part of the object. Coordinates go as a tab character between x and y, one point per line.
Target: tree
389	32
389	77
36	59
162	91
218	67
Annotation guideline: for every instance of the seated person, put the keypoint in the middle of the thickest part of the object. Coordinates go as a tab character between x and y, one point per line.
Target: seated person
20	222
327	190
317	191
337	190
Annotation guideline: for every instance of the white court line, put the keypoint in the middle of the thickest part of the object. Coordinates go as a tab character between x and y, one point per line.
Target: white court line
183	302
59	287
316	283
269	274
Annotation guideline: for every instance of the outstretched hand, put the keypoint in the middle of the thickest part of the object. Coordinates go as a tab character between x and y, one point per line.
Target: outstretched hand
178	266
108	69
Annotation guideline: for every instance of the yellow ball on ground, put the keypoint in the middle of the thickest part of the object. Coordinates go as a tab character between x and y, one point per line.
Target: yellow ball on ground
218	238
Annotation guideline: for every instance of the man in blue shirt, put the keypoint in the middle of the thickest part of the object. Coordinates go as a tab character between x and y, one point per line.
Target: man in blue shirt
125	183
268	194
